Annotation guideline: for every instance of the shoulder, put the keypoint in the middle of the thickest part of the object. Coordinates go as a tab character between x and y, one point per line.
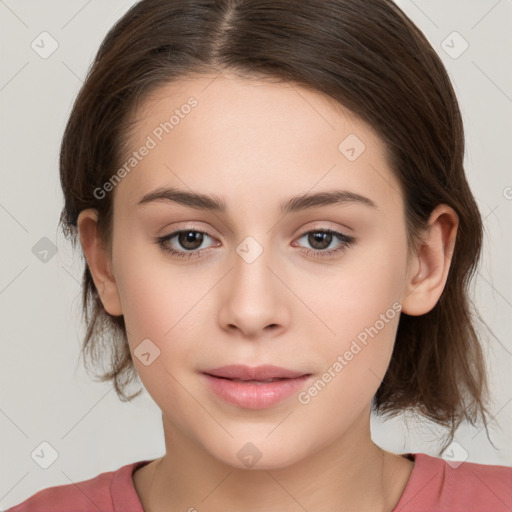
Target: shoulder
441	485
97	493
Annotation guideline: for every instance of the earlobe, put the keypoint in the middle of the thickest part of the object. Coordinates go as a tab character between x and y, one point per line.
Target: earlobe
98	261
428	271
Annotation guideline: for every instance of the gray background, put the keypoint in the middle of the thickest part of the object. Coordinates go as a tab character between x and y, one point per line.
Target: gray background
46	396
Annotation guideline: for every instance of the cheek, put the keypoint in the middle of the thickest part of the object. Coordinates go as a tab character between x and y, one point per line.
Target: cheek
366	284
155	293
166	303
363	315
158	305
359	306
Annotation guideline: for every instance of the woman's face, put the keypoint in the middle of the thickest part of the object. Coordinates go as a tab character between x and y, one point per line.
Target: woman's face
260	287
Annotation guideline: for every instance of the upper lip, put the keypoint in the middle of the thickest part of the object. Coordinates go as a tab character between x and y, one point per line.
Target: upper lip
263	372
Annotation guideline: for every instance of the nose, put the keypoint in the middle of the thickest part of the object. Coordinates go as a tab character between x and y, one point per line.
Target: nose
254	297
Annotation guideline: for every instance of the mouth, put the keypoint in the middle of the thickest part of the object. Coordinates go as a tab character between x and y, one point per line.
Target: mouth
254	373
251	381
257	387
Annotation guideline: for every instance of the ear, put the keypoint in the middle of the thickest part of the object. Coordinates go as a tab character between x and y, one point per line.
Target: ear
98	260
429	266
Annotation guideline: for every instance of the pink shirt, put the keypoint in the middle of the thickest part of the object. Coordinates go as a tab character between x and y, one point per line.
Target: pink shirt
434	486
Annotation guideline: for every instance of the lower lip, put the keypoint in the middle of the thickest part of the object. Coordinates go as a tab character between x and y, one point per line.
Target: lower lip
254	396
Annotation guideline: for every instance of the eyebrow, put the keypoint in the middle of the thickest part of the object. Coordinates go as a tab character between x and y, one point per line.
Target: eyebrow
216	204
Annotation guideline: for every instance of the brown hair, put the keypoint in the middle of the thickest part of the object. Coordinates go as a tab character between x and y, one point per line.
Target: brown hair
366	55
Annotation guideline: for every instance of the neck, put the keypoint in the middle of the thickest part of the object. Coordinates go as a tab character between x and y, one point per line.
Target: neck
352	473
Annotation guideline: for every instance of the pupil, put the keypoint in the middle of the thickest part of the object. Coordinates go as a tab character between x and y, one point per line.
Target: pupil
190	238
318	240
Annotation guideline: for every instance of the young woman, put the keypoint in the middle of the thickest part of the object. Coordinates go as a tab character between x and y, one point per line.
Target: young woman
279	238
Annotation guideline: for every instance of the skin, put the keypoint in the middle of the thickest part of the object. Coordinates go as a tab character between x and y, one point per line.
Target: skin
255	144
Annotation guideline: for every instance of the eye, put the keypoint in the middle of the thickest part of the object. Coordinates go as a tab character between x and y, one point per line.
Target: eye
188	239
321	239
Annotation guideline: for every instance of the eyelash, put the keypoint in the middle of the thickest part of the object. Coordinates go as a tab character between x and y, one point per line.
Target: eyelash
346	242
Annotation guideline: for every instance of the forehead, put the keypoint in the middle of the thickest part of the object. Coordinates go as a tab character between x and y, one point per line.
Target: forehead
250	138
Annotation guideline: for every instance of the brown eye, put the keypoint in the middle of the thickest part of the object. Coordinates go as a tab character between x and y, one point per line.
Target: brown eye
190	240
321	239
184	243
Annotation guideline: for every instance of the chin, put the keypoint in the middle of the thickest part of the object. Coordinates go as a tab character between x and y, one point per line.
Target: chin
258	454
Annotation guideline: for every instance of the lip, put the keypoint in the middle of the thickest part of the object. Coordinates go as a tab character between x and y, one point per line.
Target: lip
245	386
262	372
